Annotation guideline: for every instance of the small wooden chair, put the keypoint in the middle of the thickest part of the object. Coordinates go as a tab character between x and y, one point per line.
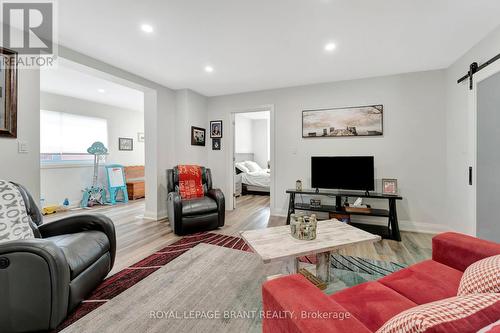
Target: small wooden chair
134	177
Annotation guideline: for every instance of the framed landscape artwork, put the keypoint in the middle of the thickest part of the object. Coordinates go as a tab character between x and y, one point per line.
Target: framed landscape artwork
340	122
197	136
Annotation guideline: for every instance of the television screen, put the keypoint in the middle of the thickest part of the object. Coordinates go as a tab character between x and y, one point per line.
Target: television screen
343	172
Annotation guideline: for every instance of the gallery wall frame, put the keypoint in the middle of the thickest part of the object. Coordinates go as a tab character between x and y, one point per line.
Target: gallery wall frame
8	93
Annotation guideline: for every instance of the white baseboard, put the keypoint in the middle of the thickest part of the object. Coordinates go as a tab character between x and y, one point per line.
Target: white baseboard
404	225
155	216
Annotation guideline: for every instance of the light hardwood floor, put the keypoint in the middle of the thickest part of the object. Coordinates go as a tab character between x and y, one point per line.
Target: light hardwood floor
138	237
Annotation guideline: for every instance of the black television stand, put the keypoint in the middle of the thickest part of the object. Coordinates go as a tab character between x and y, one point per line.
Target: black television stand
389	232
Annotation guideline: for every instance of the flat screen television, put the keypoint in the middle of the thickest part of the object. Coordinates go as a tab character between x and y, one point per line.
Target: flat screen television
343	172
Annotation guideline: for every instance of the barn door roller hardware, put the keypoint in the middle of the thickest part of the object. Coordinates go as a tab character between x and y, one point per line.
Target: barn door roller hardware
474	68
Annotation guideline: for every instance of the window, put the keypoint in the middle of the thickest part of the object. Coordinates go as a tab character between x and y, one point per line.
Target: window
65	137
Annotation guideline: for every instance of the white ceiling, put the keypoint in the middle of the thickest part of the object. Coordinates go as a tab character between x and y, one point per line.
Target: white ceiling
66	79
262	44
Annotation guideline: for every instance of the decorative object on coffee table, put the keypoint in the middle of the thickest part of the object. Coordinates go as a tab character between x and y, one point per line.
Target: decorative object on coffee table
8	98
126	144
276	244
389	186
303	227
216	129
197	136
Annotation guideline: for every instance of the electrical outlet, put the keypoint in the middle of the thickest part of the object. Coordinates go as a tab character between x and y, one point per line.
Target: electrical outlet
22	147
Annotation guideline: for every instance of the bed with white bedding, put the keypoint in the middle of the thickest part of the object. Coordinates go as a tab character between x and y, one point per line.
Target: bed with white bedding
254	178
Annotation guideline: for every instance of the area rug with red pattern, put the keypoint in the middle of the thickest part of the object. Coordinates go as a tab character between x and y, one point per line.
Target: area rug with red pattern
121	281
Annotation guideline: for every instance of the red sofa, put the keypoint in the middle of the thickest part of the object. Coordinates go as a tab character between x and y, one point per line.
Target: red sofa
293	304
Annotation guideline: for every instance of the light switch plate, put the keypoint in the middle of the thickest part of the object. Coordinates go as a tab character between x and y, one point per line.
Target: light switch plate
22	147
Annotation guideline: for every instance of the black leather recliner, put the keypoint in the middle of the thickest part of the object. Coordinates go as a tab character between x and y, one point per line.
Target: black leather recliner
194	215
43	279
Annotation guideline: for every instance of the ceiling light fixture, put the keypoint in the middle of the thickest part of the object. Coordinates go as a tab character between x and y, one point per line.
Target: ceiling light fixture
209	69
102	91
330	47
147	28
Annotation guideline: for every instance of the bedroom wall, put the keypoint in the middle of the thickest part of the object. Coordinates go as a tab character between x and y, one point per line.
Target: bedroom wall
243	135
459	150
121	123
260	141
412	148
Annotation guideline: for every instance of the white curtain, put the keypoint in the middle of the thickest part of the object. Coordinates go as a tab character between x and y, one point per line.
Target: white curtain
66	133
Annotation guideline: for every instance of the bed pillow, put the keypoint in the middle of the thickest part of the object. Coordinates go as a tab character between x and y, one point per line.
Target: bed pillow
483	276
252	166
457	314
242	167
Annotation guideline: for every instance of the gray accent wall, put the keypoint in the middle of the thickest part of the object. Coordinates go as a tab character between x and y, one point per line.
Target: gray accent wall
488	158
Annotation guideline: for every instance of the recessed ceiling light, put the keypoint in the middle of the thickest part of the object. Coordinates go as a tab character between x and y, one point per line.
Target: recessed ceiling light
147	28
209	69
330	47
102	91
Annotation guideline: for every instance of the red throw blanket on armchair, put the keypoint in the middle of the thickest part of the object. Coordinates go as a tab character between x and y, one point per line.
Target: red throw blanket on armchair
190	184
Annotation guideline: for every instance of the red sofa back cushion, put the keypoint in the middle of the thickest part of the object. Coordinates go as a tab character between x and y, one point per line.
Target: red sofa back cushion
460	251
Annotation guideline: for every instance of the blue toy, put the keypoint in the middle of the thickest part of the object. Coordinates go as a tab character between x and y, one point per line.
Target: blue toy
116	183
95	194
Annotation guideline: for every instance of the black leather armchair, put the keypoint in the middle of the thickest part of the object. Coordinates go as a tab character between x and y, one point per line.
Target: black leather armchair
43	279
194	215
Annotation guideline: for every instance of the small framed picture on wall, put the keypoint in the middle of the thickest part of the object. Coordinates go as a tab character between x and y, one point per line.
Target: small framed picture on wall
390	186
216	129
126	144
140	136
215	144
197	136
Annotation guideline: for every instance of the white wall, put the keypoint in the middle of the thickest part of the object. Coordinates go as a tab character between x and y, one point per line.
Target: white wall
242	135
24	168
260	141
459	149
159	126
121	123
252	136
412	148
191	111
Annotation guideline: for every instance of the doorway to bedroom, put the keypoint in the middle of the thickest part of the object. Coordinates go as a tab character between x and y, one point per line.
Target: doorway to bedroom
252	172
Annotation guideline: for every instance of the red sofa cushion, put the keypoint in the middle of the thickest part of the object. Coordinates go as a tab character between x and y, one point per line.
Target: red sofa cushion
425	282
289	302
372	303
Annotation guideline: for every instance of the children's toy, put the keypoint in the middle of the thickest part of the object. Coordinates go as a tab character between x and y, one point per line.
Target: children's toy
95	195
47	210
116	183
